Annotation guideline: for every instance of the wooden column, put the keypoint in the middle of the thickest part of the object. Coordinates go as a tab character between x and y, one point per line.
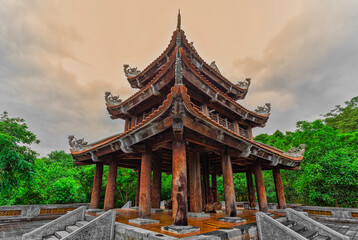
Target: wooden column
145	183
195	183
260	187
236	126
179	184
157	181
229	189
279	188
138	187
214	187
205	109
96	188
250	190
111	186
206	179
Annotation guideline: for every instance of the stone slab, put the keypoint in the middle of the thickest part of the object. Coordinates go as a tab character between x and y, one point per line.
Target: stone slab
198	215
181	229
232	219
94	210
143	221
267	213
154	210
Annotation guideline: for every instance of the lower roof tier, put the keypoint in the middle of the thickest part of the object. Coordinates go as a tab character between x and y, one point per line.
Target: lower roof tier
178	118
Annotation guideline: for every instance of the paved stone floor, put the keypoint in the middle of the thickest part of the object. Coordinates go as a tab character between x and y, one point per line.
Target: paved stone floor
348	229
15	230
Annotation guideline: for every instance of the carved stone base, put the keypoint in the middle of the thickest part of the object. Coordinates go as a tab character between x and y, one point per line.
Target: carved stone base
198	215
181	229
232	219
143	221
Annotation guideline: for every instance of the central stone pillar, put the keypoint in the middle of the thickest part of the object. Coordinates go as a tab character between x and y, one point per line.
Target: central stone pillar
97	183
260	187
157	182
179	184
145	180
111	186
250	190
229	189
280	194
196	205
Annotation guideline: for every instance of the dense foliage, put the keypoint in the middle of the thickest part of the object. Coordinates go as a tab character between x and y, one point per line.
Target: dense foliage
328	175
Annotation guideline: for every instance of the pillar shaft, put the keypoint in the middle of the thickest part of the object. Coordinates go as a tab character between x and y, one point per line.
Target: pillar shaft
229	189
250	190
179	184
96	188
195	183
206	180
111	186
138	187
157	182
145	186
214	187
280	194
260	188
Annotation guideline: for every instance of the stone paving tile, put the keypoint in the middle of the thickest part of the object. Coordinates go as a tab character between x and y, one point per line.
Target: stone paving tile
15	230
348	229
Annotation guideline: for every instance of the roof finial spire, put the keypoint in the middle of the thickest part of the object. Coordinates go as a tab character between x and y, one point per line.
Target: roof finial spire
179	20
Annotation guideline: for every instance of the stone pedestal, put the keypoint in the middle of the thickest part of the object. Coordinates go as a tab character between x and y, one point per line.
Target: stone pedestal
232	219
198	215
143	221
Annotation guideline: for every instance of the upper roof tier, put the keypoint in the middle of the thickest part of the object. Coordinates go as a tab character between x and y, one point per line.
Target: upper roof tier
139	79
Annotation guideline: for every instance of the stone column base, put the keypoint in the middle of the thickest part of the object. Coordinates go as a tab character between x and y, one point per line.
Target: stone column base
232	219
181	229
143	221
198	215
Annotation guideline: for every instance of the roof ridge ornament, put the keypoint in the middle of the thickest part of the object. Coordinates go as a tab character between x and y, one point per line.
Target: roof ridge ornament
110	99
130	72
265	110
77	144
178	68
244	84
296	152
179	20
213	65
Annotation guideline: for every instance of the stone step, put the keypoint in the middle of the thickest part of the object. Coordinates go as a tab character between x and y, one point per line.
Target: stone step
320	237
89	218
298	228
51	237
81	223
61	234
289	223
309	234
71	228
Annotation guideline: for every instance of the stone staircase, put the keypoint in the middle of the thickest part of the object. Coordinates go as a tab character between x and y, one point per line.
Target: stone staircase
296	226
76	225
69	229
304	231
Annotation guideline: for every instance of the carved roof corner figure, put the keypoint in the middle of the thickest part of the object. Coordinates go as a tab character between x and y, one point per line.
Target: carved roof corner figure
77	144
130	72
244	84
297	152
213	65
110	99
265	110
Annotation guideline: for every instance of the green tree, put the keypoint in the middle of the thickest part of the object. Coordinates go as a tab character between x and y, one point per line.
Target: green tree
16	156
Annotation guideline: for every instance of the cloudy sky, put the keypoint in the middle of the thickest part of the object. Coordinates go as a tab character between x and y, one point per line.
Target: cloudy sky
58	57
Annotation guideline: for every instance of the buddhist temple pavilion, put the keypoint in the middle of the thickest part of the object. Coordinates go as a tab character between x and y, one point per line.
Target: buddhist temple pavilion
186	120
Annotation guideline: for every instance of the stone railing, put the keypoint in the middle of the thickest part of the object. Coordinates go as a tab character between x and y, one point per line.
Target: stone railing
28	212
333	213
56	225
311	224
270	229
101	227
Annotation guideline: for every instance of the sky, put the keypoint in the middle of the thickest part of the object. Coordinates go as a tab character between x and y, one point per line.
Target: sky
57	58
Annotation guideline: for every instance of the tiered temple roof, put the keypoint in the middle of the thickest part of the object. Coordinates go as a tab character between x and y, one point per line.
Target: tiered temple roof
179	89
